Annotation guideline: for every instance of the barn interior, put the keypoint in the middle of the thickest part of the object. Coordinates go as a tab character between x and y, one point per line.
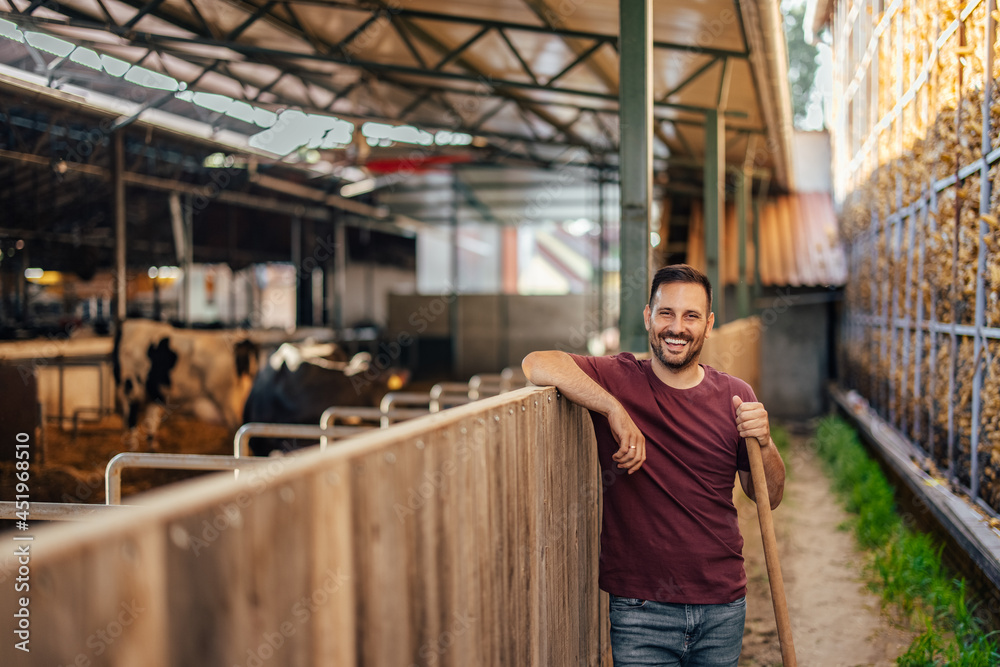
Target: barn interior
439	188
342	162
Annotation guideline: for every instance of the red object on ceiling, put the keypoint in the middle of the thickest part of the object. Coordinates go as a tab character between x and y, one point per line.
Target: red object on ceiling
415	164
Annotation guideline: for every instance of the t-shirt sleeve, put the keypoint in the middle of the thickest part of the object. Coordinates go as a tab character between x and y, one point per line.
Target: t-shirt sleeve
592	367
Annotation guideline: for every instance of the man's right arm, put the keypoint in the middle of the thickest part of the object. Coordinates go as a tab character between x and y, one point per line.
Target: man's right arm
555	368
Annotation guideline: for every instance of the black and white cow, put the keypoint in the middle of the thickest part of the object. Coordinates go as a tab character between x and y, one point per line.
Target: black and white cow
160	368
299	382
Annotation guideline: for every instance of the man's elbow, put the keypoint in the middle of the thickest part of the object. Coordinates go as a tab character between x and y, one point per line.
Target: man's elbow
534	367
529	365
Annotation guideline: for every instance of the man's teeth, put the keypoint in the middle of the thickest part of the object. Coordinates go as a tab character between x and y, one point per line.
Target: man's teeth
675	341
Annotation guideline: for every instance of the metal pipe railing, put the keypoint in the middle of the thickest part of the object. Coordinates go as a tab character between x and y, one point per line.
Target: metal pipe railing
485	384
294	431
448	394
331	414
407	398
158	460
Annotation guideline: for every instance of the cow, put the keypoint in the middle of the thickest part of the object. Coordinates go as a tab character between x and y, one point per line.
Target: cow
160	368
299	382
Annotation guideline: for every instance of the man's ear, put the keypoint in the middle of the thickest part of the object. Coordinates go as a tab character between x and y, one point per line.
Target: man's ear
711	323
645	316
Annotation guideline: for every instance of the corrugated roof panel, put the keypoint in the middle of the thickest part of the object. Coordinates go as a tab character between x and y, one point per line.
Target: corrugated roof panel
800	245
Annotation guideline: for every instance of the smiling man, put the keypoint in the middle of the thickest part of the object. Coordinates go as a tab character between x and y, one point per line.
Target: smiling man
671	548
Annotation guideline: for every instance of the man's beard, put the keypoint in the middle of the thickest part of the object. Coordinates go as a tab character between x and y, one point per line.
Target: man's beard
694	350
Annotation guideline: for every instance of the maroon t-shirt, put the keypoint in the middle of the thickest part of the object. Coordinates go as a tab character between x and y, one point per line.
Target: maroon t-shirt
670	531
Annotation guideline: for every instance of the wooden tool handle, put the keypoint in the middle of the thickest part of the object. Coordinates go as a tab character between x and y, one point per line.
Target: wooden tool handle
771	553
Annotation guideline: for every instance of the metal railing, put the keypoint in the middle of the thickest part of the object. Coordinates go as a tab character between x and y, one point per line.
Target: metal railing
294	431
161	461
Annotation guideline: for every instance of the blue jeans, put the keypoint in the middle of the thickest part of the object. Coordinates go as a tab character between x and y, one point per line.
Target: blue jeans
644	632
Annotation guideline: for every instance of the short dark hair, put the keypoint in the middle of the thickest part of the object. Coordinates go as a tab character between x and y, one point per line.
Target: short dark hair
680	273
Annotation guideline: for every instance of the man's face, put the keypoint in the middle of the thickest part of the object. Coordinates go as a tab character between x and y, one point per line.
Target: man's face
678	324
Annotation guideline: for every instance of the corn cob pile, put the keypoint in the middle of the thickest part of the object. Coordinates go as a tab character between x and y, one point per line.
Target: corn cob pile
925	124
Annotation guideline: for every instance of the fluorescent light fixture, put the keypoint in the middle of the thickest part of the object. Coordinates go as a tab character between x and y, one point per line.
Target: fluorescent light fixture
114	66
148	78
358	188
86	57
654	239
213	101
446	138
295	129
152	273
263	117
33	274
241	111
10	31
406	134
49	44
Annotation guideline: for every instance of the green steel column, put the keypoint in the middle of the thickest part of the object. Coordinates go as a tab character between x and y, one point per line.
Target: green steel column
118	210
758	204
715	202
636	167
742	287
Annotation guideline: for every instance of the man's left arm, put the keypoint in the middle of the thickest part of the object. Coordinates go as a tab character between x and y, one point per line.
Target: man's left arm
751	421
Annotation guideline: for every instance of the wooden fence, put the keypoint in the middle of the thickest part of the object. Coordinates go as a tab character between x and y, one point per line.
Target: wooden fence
734	348
464	538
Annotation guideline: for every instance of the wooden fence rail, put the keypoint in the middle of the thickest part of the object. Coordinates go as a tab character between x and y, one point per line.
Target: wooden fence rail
466	538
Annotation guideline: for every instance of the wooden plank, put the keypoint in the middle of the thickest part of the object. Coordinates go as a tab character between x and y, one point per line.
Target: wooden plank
334	626
461	538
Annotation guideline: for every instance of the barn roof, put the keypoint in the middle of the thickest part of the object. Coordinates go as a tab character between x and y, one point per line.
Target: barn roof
523	79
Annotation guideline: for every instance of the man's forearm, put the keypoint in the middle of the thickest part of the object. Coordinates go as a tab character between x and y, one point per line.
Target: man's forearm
774	471
555	368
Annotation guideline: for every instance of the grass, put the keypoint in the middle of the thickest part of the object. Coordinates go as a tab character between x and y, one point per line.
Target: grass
906	565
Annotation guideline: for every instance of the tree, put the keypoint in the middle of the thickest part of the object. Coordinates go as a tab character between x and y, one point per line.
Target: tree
802	63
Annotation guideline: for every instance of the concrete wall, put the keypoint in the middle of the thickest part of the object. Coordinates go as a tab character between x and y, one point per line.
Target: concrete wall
795	356
494	330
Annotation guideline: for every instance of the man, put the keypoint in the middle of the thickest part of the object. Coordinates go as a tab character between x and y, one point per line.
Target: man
671	549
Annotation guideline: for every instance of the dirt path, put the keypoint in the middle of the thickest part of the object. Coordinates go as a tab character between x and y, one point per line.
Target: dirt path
836	620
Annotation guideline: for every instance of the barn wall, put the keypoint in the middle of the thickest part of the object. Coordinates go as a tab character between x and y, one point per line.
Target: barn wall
795	362
735	348
464	538
366	300
494	330
916	151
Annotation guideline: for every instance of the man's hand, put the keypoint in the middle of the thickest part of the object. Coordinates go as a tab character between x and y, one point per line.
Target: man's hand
751	421
631	444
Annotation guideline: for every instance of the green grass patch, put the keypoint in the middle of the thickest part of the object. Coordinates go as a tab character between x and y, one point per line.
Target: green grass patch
906	565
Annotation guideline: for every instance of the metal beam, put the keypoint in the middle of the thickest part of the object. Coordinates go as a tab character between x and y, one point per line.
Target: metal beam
635	167
688	79
715	205
149	6
742	287
243	199
163	41
528	27
118	207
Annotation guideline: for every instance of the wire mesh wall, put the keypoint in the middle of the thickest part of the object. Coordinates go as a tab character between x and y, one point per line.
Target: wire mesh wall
916	152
